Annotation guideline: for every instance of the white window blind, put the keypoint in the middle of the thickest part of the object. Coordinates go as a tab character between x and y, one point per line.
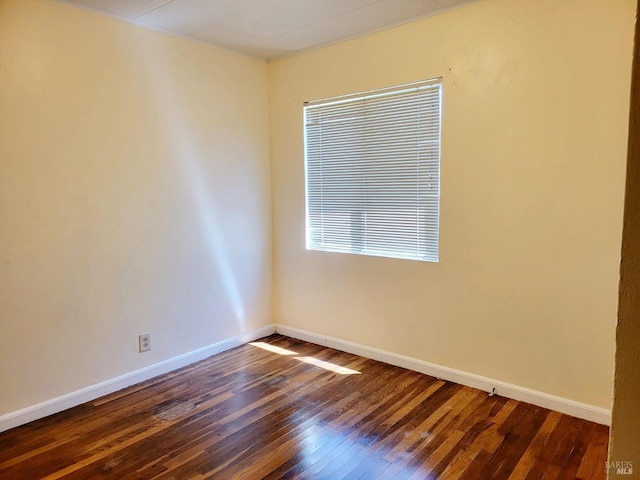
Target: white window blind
372	163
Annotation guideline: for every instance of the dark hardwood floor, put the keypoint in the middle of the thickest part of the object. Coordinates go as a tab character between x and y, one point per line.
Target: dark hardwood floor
253	413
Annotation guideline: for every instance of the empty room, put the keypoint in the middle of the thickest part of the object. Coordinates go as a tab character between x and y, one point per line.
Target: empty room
319	239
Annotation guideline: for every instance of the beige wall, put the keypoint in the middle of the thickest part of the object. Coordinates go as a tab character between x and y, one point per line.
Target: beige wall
535	106
625	428
134	197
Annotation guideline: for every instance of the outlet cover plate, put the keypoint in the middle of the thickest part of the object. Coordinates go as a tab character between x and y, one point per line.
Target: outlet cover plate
144	342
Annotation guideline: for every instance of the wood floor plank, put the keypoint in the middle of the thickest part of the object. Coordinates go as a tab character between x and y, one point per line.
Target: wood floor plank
535	447
593	465
477	452
282	408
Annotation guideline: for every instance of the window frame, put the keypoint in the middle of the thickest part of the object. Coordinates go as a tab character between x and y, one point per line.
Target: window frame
430	252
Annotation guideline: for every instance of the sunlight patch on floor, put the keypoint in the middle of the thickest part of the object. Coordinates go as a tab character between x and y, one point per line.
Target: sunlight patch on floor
332	367
273	348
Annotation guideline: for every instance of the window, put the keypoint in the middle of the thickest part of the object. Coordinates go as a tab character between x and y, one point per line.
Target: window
372	164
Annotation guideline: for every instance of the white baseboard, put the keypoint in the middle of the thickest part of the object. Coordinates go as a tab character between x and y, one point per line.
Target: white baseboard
87	394
541	399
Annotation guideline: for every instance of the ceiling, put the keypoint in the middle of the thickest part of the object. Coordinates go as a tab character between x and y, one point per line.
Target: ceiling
269	28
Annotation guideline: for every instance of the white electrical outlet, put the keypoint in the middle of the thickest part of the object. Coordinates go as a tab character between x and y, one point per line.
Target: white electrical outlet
144	342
